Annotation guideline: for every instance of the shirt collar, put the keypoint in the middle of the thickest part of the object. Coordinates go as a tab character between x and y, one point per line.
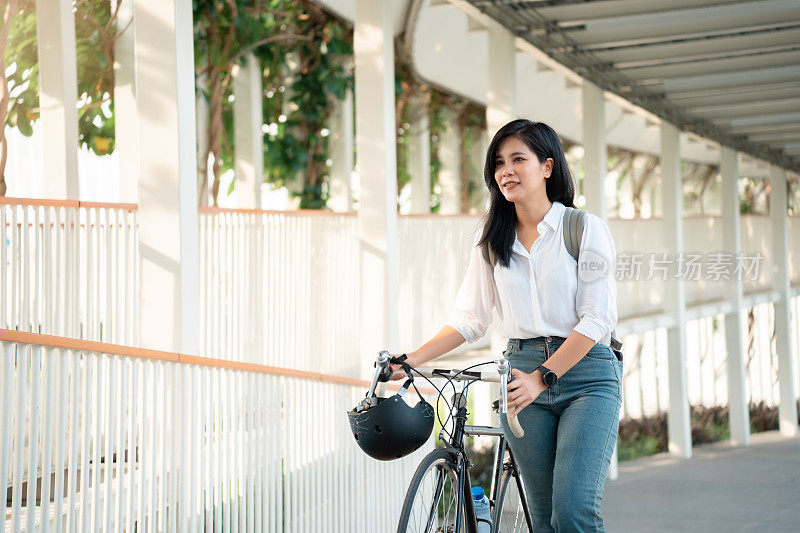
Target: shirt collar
554	215
550	220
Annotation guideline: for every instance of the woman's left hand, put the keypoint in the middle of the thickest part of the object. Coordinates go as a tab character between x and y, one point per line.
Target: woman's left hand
523	390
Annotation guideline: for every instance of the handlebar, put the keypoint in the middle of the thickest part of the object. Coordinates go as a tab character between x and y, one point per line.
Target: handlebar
383	373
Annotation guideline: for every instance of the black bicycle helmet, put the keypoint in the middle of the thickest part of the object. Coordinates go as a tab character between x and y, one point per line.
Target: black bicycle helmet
391	428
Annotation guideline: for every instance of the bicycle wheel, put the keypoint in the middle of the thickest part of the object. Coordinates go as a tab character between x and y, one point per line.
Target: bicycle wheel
511	512
431	499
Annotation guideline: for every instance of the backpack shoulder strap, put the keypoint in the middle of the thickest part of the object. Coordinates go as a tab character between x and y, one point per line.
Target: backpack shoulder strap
574	220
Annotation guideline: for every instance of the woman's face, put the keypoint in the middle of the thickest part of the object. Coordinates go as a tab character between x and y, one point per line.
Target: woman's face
519	173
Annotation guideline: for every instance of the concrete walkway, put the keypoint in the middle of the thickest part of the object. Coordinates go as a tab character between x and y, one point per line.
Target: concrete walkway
721	488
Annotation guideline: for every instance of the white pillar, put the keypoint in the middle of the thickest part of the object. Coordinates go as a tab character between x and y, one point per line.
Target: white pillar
787	411
377	167
201	118
58	95
501	104
501	108
594	150
678	420
341	149
419	160
450	169
248	137
125	131
594	176
168	236
739	412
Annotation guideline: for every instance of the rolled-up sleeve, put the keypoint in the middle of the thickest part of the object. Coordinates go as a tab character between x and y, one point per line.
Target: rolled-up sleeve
596	297
472	312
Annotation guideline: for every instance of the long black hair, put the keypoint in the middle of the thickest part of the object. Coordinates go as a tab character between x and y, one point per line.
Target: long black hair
501	219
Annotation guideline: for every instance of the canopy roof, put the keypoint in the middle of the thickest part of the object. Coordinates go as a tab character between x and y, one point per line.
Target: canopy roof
728	71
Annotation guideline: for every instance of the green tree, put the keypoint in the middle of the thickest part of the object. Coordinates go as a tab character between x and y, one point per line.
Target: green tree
95	33
9	16
274	31
303	81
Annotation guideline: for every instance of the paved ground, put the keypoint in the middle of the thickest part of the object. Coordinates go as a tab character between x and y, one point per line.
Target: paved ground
721	488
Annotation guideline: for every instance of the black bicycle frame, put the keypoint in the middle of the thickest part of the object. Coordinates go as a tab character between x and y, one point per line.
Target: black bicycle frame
464	484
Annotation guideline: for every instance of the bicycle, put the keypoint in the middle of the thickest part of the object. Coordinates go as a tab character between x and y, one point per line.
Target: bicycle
439	497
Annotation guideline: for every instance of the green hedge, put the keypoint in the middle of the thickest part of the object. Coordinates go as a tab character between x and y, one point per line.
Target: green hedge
648	435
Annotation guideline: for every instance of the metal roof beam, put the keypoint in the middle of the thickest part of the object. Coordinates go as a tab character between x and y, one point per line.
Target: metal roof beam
581	13
759	39
747	130
766	107
740	96
781	118
775	138
712	20
779	59
733	79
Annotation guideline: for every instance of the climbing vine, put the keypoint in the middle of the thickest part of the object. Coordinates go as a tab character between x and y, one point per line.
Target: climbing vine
302	83
95	33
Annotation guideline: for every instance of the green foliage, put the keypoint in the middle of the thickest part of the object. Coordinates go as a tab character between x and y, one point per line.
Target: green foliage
23	69
302	81
648	435
436	128
95	33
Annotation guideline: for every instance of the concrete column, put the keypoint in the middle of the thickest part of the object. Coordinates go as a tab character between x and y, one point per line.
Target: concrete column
377	167
501	108
58	95
787	411
168	236
450	170
678	419
203	168
501	104
419	160
595	152
125	131
247	135
739	412
341	147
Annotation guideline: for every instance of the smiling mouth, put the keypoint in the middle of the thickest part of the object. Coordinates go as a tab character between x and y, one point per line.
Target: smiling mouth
510	185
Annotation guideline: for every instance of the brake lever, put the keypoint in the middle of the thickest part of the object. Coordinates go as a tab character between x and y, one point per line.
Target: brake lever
504	369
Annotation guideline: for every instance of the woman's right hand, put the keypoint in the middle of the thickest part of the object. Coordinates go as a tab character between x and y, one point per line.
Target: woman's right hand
398	372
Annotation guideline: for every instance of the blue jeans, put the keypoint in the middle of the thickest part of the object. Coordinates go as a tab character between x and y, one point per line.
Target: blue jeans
570	432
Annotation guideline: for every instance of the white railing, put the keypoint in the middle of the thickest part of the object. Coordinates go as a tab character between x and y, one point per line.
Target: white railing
69	268
646	385
281	288
434	252
102	437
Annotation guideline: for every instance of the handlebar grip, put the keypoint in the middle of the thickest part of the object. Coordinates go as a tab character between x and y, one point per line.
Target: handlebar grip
516	429
386	374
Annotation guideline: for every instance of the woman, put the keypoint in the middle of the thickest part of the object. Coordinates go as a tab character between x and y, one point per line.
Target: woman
558	320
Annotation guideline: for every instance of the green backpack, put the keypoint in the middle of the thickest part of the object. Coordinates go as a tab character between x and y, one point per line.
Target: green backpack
574	220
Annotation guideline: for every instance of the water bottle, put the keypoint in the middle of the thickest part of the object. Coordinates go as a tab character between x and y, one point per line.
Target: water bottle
482	511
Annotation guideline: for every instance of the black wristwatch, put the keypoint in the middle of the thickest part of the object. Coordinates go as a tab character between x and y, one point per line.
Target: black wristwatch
548	376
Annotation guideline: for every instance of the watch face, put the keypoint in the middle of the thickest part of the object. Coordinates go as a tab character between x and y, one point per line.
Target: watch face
550	378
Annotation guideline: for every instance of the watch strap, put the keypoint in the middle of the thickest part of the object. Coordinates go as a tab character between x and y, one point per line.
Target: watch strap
544	371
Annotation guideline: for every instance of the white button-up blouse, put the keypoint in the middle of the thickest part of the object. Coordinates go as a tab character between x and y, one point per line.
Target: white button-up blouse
541	293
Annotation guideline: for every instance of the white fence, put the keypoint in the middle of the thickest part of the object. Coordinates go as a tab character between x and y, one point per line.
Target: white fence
282	289
97	437
71	269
